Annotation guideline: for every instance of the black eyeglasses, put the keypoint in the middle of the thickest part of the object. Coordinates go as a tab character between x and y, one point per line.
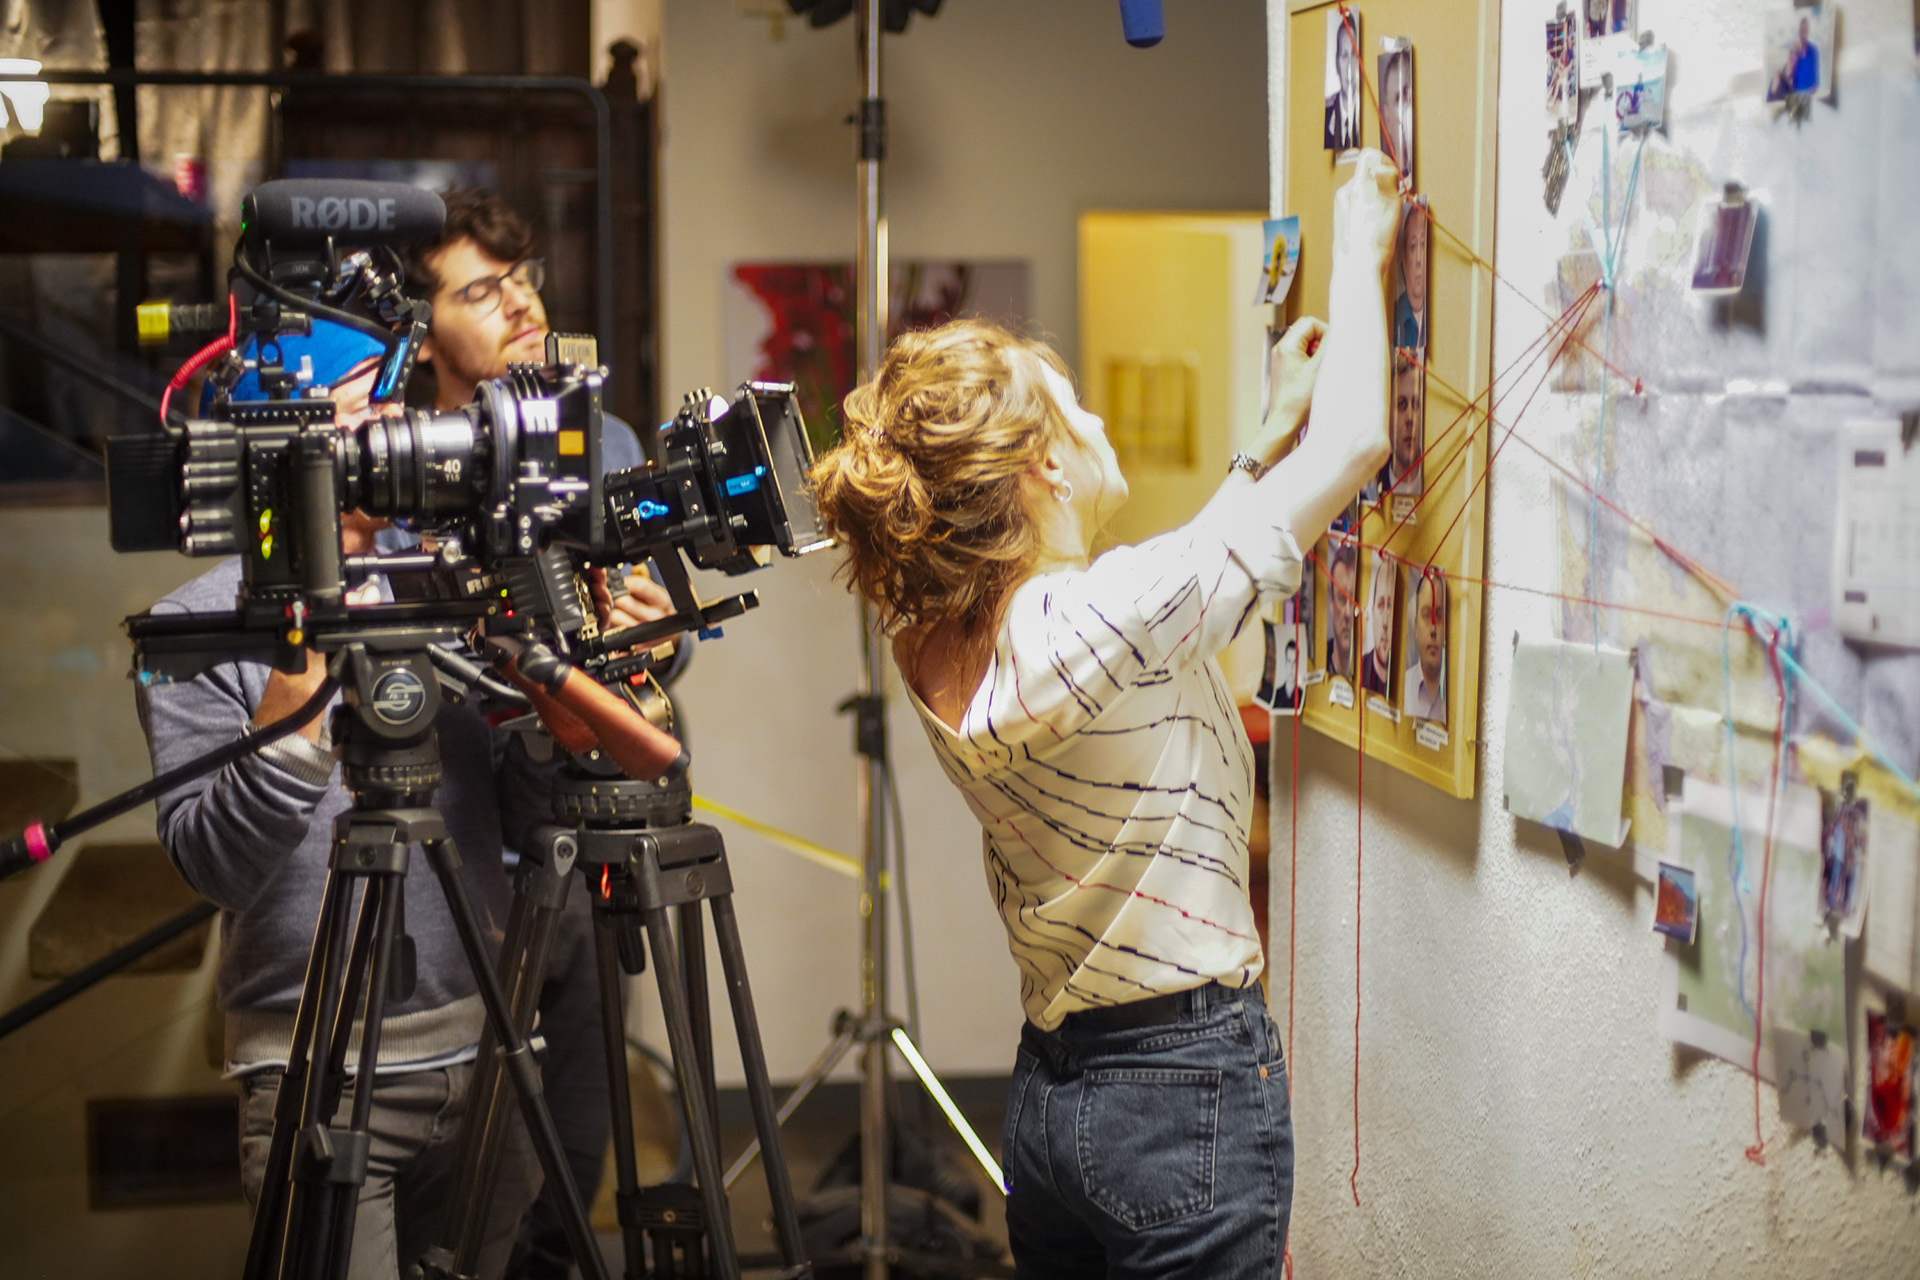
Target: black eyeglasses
483	295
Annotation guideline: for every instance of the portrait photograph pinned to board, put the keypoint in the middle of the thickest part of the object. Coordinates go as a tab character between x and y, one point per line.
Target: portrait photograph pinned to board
1798	57
1396	104
1563	76
1342	123
1299	611
1280	260
1283	687
1383	630
1410	278
1403	473
1343	605
1888	1121
1423	685
1843	858
1640	87
1723	244
1606	27
1676	903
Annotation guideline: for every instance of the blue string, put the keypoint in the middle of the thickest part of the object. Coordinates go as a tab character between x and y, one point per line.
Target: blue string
1609	265
1782	640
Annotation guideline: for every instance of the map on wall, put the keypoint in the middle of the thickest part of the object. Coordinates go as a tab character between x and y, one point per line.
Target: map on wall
1731	447
1567	717
1711	995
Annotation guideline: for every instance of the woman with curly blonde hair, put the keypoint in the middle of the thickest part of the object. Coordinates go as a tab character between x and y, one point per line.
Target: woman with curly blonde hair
1076	704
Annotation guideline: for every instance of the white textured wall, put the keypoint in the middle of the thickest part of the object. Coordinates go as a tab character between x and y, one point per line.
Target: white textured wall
1519	1115
1009	118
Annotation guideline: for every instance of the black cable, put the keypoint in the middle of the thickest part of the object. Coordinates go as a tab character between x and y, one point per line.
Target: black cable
307	306
19	853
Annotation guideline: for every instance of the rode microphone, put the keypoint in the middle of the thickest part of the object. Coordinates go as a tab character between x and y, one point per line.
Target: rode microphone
1142	22
299	213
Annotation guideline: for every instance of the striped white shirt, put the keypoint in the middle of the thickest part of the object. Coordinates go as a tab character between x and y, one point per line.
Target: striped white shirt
1109	769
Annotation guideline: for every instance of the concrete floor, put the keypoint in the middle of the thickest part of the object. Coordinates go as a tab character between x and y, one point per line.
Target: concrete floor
812	1139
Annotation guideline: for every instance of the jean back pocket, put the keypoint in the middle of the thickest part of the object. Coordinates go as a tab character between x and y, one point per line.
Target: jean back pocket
1146	1142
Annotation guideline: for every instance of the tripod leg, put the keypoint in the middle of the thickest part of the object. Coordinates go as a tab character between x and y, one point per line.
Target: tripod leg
753	1059
626	1166
270	1211
692	933
702	1125
304	1236
523	969
518	1060
348	1171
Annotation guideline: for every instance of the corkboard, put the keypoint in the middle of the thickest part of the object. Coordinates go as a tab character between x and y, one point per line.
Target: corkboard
1456	73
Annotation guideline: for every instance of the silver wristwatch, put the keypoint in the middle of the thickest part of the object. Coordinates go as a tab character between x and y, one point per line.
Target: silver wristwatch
1248	463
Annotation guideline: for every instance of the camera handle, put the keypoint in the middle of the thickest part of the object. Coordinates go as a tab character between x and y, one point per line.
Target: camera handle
40	840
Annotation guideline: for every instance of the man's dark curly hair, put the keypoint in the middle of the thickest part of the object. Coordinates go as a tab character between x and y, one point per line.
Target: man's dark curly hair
475	214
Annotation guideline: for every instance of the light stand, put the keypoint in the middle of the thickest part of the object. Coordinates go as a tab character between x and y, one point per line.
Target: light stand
873	1029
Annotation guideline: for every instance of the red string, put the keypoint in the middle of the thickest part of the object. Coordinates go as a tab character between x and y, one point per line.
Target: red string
1293	931
1529	356
1434	484
1359	845
1758	1151
1494	452
1482	262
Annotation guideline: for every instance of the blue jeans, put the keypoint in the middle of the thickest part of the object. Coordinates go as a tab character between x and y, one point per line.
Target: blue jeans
1151	1151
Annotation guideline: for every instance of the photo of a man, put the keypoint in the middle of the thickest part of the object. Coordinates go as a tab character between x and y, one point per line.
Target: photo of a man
1342	129
1282	684
1423	692
1376	670
1396	104
1404	471
1343	581
1796	56
1563	85
1410	279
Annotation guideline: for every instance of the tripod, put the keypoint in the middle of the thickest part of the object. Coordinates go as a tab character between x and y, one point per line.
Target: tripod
642	857
315	1168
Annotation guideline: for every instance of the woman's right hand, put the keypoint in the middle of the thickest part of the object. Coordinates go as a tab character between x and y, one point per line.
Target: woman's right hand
1366	211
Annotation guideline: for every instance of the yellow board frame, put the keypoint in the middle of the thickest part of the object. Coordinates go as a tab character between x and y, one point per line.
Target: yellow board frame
1456	88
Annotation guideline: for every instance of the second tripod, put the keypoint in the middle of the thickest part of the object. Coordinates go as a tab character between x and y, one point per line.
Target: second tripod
654	876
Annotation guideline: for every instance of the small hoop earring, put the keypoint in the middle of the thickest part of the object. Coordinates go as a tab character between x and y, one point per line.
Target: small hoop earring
1064	491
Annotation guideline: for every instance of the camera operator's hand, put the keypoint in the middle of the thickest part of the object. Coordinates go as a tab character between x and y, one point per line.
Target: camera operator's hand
645	600
286	694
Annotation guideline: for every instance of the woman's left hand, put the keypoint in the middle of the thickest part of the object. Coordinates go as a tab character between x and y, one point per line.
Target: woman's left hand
1296	366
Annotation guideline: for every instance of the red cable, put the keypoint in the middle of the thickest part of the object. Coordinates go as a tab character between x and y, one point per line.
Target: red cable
199	360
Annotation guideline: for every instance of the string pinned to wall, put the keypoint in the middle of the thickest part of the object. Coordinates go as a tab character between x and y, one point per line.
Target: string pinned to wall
1779	627
1609	248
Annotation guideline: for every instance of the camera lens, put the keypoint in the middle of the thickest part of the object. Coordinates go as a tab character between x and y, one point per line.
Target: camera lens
421	464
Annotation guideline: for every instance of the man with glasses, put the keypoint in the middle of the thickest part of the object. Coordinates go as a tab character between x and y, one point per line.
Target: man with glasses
484	283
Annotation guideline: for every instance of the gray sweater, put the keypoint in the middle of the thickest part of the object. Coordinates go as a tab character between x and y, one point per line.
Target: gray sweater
253	839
